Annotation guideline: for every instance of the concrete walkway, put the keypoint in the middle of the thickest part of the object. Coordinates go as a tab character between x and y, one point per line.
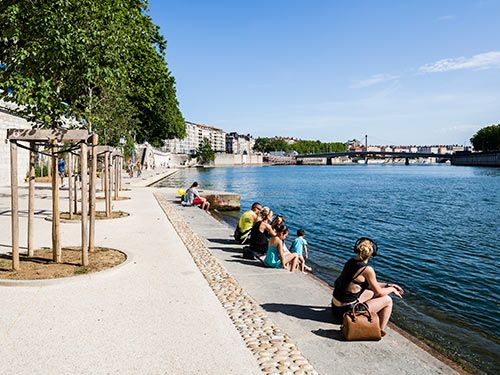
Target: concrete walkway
156	315
299	304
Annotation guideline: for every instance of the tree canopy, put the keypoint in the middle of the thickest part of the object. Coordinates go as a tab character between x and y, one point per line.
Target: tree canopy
101	62
204	153
300	146
487	138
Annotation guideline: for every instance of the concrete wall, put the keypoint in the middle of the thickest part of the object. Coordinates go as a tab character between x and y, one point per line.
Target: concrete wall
8	121
480	159
235	159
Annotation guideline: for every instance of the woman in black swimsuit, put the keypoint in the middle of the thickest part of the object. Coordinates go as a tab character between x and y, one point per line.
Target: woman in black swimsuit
358	283
261	231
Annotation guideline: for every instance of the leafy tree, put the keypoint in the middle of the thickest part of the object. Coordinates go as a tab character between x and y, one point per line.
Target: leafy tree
487	138
102	61
301	146
204	152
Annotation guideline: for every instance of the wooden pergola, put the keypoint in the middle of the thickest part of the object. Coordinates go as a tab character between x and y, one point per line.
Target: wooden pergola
54	138
117	160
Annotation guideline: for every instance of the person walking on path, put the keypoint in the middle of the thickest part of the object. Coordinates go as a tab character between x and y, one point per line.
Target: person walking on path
358	283
60	168
246	222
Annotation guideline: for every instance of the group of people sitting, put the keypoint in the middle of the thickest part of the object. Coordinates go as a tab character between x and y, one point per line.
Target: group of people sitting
265	236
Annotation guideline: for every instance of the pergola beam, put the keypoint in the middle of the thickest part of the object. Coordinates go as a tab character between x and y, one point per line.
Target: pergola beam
47	135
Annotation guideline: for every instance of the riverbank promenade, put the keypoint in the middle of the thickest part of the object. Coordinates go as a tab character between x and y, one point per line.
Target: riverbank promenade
185	302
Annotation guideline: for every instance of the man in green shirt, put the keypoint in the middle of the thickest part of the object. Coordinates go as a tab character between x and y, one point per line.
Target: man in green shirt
246	222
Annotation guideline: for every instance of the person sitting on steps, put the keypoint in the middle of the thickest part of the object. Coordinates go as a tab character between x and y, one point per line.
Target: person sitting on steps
261	230
358	283
277	256
246	222
193	197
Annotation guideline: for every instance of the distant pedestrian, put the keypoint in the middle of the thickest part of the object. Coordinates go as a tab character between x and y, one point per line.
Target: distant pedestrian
130	169
60	169
138	168
299	247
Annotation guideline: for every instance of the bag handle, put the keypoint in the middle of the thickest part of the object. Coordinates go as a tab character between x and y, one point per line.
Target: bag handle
355	313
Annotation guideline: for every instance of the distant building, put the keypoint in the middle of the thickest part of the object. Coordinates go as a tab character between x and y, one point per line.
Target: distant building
239	144
195	133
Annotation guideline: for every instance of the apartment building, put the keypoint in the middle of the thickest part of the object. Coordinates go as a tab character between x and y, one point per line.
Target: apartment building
239	144
194	136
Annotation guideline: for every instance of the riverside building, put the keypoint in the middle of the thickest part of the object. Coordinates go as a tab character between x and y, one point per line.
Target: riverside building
239	144
195	133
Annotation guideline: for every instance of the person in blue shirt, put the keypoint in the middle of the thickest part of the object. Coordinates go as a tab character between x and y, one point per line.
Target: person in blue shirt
60	168
299	247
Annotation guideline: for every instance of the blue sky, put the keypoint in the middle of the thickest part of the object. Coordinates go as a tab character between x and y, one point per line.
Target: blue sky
403	72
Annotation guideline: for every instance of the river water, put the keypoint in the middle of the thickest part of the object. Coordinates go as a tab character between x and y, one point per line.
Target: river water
437	227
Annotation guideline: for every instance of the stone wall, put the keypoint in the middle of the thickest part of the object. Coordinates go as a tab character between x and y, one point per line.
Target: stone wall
237	159
8	121
480	159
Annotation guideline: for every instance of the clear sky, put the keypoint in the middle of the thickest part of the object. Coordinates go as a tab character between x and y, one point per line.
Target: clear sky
403	72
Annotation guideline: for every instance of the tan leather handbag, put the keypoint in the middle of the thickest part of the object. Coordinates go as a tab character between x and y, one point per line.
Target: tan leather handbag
360	324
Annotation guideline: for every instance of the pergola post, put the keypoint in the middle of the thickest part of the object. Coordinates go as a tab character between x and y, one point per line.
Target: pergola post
107	193
75	186
120	170
14	205
70	184
84	205
115	170
49	167
31	199
56	238
103	176
93	180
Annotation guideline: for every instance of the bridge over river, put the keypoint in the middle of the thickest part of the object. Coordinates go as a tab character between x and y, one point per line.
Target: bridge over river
374	154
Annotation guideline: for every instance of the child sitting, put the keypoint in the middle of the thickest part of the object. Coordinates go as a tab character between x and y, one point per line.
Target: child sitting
299	246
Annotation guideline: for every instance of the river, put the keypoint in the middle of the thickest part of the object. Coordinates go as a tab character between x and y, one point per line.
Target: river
437	227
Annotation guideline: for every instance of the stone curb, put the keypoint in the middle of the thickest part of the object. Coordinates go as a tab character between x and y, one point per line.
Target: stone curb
72	279
273	349
146	182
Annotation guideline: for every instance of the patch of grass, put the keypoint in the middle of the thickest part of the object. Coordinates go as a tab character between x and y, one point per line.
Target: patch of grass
81	271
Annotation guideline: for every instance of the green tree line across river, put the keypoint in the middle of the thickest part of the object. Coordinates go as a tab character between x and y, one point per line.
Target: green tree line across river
300	146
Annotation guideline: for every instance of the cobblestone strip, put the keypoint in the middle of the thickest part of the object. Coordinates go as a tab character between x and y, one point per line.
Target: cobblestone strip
274	350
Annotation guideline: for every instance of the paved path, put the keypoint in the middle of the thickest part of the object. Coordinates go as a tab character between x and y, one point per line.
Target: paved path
156	315
299	305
